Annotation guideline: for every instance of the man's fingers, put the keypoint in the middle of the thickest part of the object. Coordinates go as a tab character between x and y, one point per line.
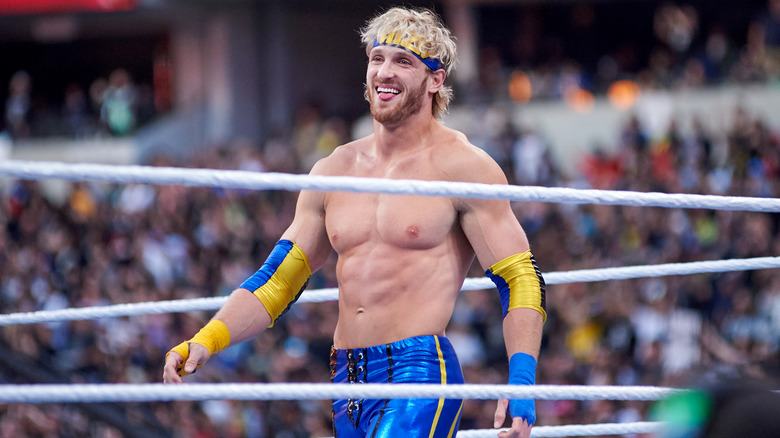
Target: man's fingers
173	359
198	355
172	362
500	416
191	364
171	376
520	428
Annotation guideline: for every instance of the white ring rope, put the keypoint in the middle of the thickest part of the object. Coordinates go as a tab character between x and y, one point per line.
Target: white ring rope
331	294
148	392
279	181
576	430
89	393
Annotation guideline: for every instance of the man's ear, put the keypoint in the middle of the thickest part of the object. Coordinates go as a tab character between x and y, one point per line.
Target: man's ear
437	80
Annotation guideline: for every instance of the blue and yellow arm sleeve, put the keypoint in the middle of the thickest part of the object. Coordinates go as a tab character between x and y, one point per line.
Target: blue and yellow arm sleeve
520	283
281	279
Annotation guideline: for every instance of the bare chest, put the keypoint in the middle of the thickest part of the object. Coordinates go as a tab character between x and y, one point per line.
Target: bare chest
409	222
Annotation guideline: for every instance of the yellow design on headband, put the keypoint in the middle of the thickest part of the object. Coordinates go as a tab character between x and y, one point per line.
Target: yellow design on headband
411	42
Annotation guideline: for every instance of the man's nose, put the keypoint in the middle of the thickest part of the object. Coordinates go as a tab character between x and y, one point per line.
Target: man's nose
386	70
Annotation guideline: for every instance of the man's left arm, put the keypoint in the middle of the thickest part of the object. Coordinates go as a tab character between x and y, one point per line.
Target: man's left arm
502	249
523	353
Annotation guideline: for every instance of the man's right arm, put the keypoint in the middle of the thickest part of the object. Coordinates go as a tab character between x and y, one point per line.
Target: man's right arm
244	315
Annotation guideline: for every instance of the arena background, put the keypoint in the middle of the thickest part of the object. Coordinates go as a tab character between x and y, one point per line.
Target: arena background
612	94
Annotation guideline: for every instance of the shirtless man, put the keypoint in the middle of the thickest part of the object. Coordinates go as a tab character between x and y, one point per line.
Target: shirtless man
401	259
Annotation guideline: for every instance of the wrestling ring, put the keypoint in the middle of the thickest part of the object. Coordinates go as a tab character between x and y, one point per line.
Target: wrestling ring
92	393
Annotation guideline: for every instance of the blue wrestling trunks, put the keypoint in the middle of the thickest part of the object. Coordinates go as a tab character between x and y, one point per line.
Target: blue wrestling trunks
422	359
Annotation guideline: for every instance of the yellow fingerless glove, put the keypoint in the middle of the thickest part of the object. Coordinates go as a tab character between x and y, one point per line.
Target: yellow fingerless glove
214	336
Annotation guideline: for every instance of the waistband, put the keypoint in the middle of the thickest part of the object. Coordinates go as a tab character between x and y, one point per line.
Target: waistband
416	343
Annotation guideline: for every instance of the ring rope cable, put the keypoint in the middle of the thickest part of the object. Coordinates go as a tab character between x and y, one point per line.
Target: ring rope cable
331	294
139	392
237	179
90	393
571	430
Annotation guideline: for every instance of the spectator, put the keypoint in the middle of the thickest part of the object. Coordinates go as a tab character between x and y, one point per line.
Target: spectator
118	108
17	106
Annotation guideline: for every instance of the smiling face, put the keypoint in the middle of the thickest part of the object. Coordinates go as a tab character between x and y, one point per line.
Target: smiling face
423	34
397	84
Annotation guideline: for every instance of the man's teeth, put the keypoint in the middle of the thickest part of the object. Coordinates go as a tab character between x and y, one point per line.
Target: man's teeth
387	90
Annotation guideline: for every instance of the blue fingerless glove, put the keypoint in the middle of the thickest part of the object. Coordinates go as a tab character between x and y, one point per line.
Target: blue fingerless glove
522	371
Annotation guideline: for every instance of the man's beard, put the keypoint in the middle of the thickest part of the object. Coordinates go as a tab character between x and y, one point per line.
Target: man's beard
411	104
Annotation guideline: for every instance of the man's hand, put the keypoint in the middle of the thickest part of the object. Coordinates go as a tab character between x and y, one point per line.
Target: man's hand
520	428
196	356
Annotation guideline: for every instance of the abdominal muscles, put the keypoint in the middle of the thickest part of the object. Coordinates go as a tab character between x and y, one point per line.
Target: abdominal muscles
388	293
402	260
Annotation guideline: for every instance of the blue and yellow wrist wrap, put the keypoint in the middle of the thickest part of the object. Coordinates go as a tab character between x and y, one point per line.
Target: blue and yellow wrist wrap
520	283
281	279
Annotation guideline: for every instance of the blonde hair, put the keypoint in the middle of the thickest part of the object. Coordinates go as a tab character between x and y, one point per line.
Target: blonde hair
437	42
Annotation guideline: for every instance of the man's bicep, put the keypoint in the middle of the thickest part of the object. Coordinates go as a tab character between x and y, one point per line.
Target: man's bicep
307	229
492	230
489	224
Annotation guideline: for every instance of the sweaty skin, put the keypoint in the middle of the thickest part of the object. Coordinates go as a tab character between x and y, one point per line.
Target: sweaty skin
401	259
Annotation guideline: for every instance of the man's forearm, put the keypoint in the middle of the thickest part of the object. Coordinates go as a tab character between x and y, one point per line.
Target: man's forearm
523	332
523	336
244	316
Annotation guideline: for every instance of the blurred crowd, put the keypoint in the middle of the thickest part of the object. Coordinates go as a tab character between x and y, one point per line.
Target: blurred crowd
87	244
109	106
65	245
677	45
544	52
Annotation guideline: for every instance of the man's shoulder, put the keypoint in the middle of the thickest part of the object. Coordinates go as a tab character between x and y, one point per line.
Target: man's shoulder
341	159
462	161
454	142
